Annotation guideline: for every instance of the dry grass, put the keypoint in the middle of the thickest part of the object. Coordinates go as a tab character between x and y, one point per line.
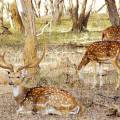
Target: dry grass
57	69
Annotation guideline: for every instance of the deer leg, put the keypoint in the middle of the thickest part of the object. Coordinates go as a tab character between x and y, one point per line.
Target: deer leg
100	74
94	75
118	71
52	111
80	73
75	110
20	109
34	110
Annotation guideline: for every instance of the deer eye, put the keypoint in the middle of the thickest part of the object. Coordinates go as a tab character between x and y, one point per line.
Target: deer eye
18	76
8	72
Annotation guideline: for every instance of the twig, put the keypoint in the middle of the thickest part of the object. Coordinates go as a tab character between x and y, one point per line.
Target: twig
113	110
42	31
101	7
5	93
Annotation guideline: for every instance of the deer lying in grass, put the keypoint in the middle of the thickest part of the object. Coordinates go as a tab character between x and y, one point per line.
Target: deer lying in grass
111	33
48	100
99	52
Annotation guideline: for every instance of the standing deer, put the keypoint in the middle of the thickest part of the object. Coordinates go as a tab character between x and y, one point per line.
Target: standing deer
111	33
99	52
48	100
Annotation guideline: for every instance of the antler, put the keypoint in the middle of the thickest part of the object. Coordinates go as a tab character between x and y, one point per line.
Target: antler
6	65
31	65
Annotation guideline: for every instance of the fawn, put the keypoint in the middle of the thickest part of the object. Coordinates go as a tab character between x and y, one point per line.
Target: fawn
99	52
47	100
111	33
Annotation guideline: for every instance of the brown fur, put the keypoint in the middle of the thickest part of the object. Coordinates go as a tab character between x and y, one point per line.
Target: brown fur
41	98
43	94
111	33
102	51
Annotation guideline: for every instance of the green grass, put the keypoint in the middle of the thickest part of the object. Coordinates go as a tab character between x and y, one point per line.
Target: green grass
59	34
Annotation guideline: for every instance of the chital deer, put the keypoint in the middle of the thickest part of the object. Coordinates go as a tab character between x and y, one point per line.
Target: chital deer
102	51
111	33
48	100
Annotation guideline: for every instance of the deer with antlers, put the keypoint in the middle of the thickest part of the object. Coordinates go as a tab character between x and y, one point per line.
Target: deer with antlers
47	100
99	52
111	33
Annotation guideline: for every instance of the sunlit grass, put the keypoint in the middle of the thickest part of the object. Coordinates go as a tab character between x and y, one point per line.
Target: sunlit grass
59	34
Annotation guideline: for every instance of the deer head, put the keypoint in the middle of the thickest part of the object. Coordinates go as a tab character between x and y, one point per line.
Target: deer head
17	73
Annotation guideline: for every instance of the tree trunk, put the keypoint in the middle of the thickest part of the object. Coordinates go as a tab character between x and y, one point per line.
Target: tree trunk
81	17
58	9
2	27
16	17
36	5
1	13
86	16
30	49
52	7
94	4
78	22
119	5
74	15
113	14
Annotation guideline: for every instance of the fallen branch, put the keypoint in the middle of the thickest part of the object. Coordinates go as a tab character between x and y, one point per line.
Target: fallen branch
113	110
115	98
5	93
42	31
101	8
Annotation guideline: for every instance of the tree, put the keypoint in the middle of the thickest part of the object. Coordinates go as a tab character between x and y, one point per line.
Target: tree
16	17
2	26
36	6
78	20
30	48
86	17
112	11
58	9
1	13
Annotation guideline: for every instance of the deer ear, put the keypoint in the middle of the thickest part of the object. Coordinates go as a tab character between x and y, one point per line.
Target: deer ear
24	73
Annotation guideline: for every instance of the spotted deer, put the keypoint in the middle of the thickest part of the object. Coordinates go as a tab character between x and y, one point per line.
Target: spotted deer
111	33
47	100
102	51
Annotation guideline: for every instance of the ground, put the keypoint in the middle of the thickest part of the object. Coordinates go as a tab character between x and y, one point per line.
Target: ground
58	68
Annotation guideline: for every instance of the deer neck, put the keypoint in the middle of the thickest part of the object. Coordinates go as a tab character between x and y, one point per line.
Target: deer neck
19	93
